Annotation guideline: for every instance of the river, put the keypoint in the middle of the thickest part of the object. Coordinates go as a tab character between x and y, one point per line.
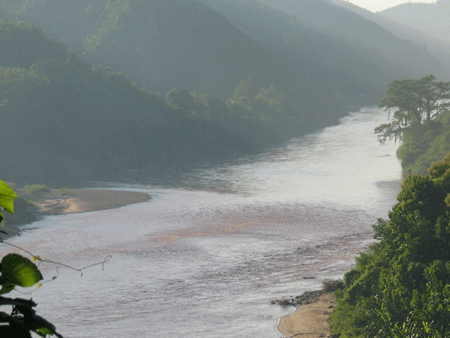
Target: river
206	259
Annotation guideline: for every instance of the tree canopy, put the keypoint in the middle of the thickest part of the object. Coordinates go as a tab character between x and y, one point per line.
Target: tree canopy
414	102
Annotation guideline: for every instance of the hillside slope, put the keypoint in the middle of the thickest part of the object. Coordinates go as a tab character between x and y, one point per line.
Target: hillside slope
396	58
435	46
348	69
163	44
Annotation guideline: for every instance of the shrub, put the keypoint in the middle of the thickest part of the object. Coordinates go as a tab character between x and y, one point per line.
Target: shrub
64	191
401	287
37	189
331	285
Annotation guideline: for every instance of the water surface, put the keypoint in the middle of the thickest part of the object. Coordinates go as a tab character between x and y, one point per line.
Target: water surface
205	260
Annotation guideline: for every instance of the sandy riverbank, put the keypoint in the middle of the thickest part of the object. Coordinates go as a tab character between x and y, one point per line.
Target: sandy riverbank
309	321
84	200
72	201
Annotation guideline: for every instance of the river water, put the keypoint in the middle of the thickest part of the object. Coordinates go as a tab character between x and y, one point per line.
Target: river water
205	260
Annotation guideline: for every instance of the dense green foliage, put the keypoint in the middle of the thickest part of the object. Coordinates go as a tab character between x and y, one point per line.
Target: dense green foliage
7	196
416	102
420	121
62	118
401	287
424	145
16	270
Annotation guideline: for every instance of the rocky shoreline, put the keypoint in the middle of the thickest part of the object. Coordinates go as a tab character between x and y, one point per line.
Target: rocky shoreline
313	309
308	297
310	320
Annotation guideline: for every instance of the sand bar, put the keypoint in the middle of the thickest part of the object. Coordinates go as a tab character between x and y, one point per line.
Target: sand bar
72	201
309	321
84	200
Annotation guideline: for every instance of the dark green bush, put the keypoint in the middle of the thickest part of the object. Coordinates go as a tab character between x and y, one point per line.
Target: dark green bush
331	285
401	287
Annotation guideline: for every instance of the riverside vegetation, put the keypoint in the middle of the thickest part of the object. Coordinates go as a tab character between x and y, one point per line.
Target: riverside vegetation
401	287
420	121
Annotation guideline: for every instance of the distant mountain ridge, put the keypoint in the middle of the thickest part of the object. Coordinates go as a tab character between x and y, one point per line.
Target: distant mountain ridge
394	56
435	46
353	68
160	44
432	19
163	44
307	52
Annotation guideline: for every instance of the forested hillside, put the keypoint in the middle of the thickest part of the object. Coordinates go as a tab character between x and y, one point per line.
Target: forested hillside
62	118
163	44
321	56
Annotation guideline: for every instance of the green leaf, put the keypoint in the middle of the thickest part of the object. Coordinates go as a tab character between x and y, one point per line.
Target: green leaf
42	327
18	270
43	331
7	196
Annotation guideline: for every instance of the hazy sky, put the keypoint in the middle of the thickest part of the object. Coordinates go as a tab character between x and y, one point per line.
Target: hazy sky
379	5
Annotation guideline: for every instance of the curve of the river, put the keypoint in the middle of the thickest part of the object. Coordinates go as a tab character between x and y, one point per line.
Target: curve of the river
205	261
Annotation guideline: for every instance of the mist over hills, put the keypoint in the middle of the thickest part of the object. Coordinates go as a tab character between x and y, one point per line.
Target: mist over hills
185	43
254	76
428	18
63	119
354	56
435	46
394	57
164	44
160	44
347	70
